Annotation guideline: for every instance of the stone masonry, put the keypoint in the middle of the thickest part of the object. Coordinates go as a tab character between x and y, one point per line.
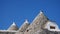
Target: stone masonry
40	25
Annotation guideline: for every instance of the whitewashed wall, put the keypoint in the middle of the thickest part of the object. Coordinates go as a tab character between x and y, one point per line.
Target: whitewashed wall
47	26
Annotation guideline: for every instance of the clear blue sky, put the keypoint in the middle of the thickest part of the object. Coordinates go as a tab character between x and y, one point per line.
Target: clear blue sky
19	10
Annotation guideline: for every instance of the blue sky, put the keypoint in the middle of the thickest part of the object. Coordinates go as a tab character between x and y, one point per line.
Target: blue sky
19	10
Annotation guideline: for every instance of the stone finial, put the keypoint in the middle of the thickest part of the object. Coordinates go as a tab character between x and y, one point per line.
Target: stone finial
26	21
41	11
14	23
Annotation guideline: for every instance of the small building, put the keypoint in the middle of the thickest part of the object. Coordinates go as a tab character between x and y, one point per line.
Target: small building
40	25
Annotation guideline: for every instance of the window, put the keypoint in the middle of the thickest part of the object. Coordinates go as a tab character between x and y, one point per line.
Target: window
52	27
27	30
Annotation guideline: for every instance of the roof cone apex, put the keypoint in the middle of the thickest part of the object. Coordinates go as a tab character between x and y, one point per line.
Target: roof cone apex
13	23
26	21
41	12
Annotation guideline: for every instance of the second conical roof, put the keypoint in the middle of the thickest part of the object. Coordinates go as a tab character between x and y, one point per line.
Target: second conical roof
24	26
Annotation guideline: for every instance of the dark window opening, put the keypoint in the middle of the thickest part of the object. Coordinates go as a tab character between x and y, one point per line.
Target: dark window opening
27	30
52	27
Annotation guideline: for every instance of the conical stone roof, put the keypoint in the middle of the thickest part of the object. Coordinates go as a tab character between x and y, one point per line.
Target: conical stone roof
24	26
37	23
13	27
40	18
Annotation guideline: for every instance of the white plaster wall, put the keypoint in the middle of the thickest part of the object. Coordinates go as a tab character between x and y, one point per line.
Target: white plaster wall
47	26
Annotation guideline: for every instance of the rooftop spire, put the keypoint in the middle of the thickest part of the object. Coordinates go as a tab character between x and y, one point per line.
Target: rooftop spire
13	27
41	12
26	21
14	23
